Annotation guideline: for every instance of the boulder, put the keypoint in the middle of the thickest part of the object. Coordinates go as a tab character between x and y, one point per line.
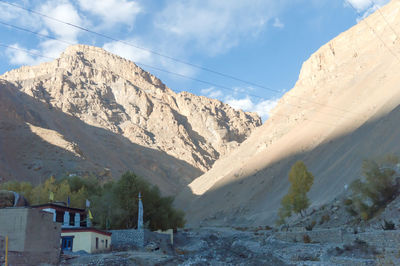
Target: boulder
12	199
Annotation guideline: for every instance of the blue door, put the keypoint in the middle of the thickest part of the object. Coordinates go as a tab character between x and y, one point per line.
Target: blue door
67	242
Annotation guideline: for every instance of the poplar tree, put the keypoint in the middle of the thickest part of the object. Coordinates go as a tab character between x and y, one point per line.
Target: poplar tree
296	200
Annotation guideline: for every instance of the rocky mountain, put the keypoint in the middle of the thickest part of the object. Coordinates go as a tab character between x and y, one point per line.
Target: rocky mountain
92	111
343	109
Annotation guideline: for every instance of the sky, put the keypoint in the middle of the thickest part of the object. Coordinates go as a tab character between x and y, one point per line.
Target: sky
257	45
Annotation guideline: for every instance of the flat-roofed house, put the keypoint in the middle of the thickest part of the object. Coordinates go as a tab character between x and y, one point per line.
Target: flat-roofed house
76	231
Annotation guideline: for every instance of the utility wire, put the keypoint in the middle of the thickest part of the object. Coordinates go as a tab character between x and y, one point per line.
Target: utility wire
172	58
141	48
384	18
175	59
26	51
36	33
374	32
164	70
41	55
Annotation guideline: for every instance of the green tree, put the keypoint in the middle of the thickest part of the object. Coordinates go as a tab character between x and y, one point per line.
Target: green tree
376	189
113	204
296	200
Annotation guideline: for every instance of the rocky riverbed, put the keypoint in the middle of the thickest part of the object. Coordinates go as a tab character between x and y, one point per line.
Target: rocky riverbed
247	246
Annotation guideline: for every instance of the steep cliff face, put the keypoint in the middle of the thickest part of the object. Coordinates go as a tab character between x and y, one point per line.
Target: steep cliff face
343	109
101	91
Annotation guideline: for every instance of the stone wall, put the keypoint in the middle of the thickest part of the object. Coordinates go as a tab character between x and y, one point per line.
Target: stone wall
320	236
379	238
139	238
127	238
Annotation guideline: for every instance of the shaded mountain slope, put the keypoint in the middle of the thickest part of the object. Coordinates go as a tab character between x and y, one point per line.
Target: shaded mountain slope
97	112
37	142
342	110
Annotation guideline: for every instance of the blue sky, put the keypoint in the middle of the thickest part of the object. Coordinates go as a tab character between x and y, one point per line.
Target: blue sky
261	41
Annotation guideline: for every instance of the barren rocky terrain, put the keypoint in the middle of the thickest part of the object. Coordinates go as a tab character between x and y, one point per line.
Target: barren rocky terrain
343	109
253	246
93	112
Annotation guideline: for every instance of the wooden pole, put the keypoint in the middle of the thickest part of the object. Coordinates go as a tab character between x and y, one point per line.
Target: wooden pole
6	260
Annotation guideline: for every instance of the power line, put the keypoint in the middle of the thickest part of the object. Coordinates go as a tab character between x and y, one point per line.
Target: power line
166	71
142	48
33	32
173	58
26	51
374	32
384	18
40	55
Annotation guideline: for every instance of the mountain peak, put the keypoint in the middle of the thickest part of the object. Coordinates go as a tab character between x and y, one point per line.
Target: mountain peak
106	91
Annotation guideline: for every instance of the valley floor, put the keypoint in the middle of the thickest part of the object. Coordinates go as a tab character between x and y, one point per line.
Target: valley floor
244	246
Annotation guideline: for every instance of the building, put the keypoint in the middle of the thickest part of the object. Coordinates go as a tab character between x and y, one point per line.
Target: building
67	216
90	240
76	231
33	236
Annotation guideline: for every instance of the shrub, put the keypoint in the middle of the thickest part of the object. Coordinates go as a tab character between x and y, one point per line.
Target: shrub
348	202
374	191
358	248
388	225
311	226
325	218
306	239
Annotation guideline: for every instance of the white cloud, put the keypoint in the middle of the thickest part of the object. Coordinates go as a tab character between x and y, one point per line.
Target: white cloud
20	17
212	93
64	11
19	57
360	5
262	108
366	7
278	23
7	12
48	50
246	103
112	12
215	26
130	52
52	48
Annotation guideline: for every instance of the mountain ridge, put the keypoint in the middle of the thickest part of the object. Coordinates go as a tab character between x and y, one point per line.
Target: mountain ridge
108	92
348	84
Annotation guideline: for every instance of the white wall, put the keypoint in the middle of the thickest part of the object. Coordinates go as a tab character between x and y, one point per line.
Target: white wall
87	241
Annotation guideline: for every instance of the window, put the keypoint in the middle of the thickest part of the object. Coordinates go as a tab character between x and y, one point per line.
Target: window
97	243
59	216
106	243
71	218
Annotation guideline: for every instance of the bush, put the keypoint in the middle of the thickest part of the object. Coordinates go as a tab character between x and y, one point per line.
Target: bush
348	202
359	249
311	226
325	218
306	239
374	191
388	225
